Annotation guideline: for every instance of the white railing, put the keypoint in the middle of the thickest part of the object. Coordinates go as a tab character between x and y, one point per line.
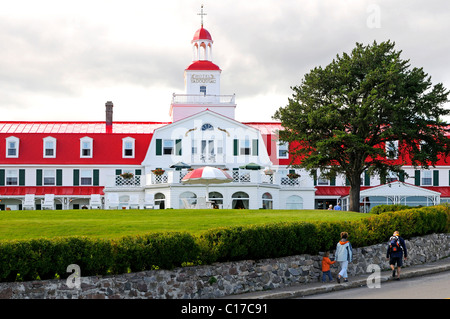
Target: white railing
208	158
203	99
119	181
239	177
134	181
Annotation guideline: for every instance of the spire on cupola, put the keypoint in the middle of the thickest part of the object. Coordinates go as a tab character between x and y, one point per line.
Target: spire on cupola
202	42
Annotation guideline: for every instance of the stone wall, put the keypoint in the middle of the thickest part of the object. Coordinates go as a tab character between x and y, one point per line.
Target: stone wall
222	279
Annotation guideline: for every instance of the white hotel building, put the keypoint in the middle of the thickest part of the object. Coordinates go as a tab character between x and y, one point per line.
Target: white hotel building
78	163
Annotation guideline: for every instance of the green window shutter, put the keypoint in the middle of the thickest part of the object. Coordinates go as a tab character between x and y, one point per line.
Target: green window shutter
177	147
235	147
366	179
59	180
38	177
2	177
401	176
158	147
76	177
255	147
314	173
96	177
347	181
417	177
382	179
21	177
118	171
138	172
436	178
333	181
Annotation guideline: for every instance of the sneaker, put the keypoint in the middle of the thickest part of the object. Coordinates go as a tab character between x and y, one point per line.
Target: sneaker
338	279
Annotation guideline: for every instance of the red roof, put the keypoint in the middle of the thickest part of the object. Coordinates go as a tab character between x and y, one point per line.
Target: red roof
202	34
107	146
444	190
335	190
57	190
203	65
344	190
14	127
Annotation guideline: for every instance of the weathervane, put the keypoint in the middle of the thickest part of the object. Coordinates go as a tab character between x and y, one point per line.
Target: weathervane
201	14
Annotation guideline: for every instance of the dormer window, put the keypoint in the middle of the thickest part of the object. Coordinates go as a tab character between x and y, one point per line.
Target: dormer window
12	147
49	147
128	147
86	147
392	149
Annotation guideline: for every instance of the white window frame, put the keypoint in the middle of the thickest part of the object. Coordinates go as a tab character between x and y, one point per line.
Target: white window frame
323	181
91	144
392	146
125	147
280	146
426	175
86	174
16	141
46	140
48	173
12	174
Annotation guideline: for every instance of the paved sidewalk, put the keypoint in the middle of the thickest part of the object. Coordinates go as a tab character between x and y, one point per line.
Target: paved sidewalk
302	290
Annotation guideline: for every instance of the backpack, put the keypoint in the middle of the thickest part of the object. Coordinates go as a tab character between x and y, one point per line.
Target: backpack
394	244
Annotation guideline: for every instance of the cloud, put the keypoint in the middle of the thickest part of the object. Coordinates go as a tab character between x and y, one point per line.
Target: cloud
64	60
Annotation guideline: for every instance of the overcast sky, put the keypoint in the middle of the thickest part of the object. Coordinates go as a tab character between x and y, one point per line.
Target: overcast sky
62	60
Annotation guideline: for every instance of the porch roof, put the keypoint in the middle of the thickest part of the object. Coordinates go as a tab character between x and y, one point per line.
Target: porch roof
57	190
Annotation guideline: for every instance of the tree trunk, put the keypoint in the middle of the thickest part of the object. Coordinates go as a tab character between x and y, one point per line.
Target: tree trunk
355	187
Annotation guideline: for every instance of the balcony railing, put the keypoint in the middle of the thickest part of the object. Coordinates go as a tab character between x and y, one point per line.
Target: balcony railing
239	177
134	181
203	99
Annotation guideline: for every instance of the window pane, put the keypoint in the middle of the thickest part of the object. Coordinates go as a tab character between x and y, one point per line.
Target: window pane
427	179
86	152
49	177
12	177
245	147
86	181
11	181
168	147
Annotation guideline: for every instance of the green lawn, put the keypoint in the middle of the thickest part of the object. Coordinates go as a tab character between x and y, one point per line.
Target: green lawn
117	223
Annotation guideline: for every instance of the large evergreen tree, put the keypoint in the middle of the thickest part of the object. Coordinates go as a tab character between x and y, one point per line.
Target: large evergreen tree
341	117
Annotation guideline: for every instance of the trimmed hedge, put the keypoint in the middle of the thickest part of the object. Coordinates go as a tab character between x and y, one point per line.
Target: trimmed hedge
379	209
283	239
49	258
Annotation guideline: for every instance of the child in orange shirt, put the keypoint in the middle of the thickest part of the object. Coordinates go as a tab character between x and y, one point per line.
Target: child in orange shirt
326	262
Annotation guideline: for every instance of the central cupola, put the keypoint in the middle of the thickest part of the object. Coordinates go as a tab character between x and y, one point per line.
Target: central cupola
202	76
201	81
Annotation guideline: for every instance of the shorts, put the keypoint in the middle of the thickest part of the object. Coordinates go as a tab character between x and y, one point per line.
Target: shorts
398	260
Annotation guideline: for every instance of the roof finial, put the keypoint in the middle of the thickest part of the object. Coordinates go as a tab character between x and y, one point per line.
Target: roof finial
201	14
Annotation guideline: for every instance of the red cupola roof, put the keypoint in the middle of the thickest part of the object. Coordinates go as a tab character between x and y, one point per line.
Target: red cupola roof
202	34
203	65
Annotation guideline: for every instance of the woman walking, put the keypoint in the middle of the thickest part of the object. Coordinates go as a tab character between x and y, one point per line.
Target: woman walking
344	255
